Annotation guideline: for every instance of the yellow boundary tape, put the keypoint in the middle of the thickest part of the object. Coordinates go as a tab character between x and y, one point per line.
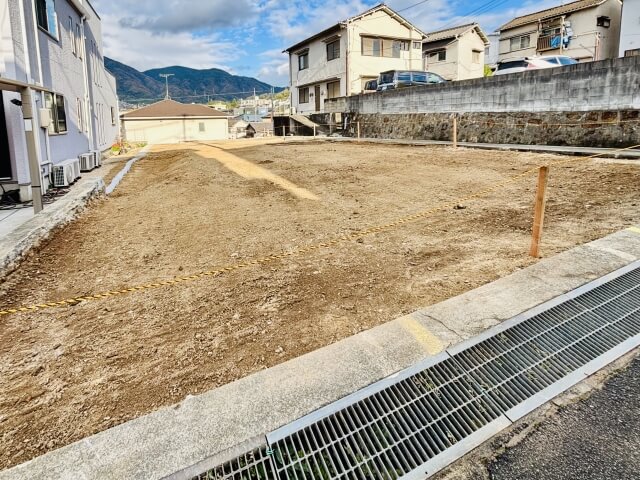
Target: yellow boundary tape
297	251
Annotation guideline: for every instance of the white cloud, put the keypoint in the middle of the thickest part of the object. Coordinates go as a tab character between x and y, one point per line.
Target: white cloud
220	33
143	50
173	16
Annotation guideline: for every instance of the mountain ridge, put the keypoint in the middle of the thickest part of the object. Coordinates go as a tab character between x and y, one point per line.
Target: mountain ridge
188	85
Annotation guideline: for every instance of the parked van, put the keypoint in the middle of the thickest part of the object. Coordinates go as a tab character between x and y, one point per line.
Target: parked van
406	78
370	86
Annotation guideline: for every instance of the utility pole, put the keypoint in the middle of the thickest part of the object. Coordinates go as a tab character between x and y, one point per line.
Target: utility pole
255	104
166	78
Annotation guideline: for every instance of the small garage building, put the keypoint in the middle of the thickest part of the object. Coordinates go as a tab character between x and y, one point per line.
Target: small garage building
169	121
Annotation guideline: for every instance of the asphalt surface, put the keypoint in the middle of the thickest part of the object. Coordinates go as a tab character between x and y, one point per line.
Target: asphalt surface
597	439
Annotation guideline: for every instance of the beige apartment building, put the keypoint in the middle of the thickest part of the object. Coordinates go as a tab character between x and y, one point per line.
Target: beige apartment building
339	60
456	53
587	30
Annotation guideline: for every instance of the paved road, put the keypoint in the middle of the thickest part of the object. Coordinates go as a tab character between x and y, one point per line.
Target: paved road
598	439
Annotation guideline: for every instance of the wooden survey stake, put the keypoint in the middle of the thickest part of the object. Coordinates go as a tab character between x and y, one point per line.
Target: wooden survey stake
538	218
454	138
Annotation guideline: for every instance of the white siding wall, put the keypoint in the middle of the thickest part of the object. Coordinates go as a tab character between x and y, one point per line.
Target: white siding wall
31	55
177	130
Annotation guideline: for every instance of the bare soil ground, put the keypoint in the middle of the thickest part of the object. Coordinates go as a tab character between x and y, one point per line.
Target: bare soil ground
71	372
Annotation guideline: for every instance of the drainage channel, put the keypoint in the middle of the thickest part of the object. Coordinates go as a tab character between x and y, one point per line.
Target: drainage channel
420	420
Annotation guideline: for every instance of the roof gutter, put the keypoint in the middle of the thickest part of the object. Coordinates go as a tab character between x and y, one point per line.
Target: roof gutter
79	6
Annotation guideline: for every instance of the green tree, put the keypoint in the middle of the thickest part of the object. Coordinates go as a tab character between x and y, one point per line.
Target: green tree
283	95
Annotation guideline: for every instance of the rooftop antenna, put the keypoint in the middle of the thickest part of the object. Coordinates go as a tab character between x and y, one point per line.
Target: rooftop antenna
166	78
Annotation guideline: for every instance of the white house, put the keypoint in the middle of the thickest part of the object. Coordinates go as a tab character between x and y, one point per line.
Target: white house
53	49
339	60
168	122
456	53
630	29
587	30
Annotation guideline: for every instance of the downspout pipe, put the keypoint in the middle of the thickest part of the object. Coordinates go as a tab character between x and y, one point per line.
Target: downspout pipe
27	57
88	110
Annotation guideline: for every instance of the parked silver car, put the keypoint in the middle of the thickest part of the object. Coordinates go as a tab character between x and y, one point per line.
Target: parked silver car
517	65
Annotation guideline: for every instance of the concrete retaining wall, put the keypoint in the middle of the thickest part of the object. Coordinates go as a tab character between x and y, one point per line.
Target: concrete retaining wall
605	85
608	128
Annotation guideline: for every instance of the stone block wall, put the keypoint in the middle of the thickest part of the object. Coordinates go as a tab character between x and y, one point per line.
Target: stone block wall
605	128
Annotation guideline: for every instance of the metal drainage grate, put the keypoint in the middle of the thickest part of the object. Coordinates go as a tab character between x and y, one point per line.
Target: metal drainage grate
253	465
414	423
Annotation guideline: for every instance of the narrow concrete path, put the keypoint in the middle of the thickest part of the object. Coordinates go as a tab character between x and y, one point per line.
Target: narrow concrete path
249	170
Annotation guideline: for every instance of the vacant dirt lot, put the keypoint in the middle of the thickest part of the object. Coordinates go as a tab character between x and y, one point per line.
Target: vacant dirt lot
70	372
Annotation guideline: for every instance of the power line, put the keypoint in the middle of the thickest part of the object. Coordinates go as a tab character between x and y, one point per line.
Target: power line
412	6
483	8
224	94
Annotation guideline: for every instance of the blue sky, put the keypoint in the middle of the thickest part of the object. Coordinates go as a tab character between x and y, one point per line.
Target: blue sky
246	37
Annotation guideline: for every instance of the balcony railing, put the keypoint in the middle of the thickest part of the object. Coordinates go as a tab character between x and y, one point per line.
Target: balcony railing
549	42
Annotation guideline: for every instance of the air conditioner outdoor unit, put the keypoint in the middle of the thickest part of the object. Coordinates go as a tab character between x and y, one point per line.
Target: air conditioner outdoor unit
87	162
97	154
76	168
65	173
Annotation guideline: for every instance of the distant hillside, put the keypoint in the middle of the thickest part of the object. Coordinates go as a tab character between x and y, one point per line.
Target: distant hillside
133	84
187	84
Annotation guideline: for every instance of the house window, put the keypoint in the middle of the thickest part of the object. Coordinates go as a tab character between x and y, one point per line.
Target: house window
604	22
475	56
303	60
333	50
417	45
113	115
392	48
439	56
519	43
303	95
200	126
46	16
333	89
55	104
371	47
379	47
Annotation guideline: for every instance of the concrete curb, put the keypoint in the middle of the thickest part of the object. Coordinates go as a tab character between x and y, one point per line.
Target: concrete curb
15	245
207	429
120	175
559	150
